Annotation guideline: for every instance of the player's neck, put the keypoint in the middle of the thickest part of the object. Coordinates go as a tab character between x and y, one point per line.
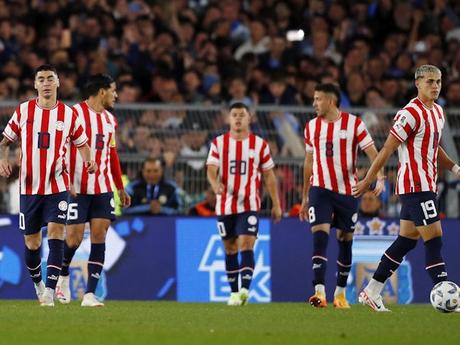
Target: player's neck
426	102
332	115
239	135
95	105
46	103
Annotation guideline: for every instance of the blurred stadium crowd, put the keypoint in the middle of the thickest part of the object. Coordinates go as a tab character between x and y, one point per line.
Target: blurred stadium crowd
261	52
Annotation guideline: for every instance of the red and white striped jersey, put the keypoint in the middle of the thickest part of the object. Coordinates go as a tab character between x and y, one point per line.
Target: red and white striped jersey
419	129
335	147
100	130
44	136
240	164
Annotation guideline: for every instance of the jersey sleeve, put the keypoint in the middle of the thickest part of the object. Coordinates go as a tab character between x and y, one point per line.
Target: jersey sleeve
363	136
307	136
405	122
77	132
266	161
12	129
213	155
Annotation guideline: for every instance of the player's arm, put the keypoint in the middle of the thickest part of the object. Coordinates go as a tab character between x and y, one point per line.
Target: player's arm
213	179
371	152
390	146
272	187
5	167
446	162
307	172
85	153
115	168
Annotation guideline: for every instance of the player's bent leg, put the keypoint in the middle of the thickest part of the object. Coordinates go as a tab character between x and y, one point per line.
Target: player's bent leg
99	227
246	247
344	259
232	269
319	264
389	263
434	263
73	239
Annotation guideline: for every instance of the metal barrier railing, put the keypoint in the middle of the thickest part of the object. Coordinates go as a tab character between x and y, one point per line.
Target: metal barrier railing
169	129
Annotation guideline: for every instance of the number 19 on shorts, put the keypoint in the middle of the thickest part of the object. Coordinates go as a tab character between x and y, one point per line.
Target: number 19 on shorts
429	209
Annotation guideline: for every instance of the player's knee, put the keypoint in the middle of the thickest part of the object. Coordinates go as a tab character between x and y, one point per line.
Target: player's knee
98	236
344	236
246	245
74	240
33	243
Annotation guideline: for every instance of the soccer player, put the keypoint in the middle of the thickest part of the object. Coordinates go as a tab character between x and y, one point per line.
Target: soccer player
93	201
235	163
331	141
416	134
44	126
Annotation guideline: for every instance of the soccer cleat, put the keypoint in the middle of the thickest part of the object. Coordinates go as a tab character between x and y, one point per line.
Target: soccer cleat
374	302
90	300
318	300
47	299
39	290
244	296
234	299
63	290
340	301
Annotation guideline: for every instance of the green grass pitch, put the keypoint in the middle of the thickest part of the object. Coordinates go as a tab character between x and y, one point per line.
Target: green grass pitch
25	322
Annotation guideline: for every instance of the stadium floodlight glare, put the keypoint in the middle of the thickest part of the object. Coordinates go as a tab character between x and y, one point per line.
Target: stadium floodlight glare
295	35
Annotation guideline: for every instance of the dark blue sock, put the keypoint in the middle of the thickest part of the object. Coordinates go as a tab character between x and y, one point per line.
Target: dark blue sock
393	257
247	268
233	270
68	256
319	259
434	262
344	262
95	265
54	263
33	264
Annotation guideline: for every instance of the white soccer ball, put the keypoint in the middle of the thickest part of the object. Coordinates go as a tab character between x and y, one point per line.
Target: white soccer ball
445	297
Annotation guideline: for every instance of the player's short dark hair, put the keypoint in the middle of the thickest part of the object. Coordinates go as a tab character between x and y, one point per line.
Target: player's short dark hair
45	67
239	105
330	89
97	82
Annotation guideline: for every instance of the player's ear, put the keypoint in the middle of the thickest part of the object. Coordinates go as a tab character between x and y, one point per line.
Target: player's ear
57	81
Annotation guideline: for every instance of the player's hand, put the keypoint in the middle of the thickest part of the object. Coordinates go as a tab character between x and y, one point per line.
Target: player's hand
218	188
276	213
91	166
379	186
361	187
125	198
155	207
303	214
72	191
458	174
5	168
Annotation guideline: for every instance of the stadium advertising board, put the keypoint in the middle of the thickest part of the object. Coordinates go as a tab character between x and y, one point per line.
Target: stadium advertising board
183	259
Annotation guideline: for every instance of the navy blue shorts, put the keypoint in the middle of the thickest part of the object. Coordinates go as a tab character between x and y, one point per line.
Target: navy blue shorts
325	206
420	208
85	207
37	211
234	225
